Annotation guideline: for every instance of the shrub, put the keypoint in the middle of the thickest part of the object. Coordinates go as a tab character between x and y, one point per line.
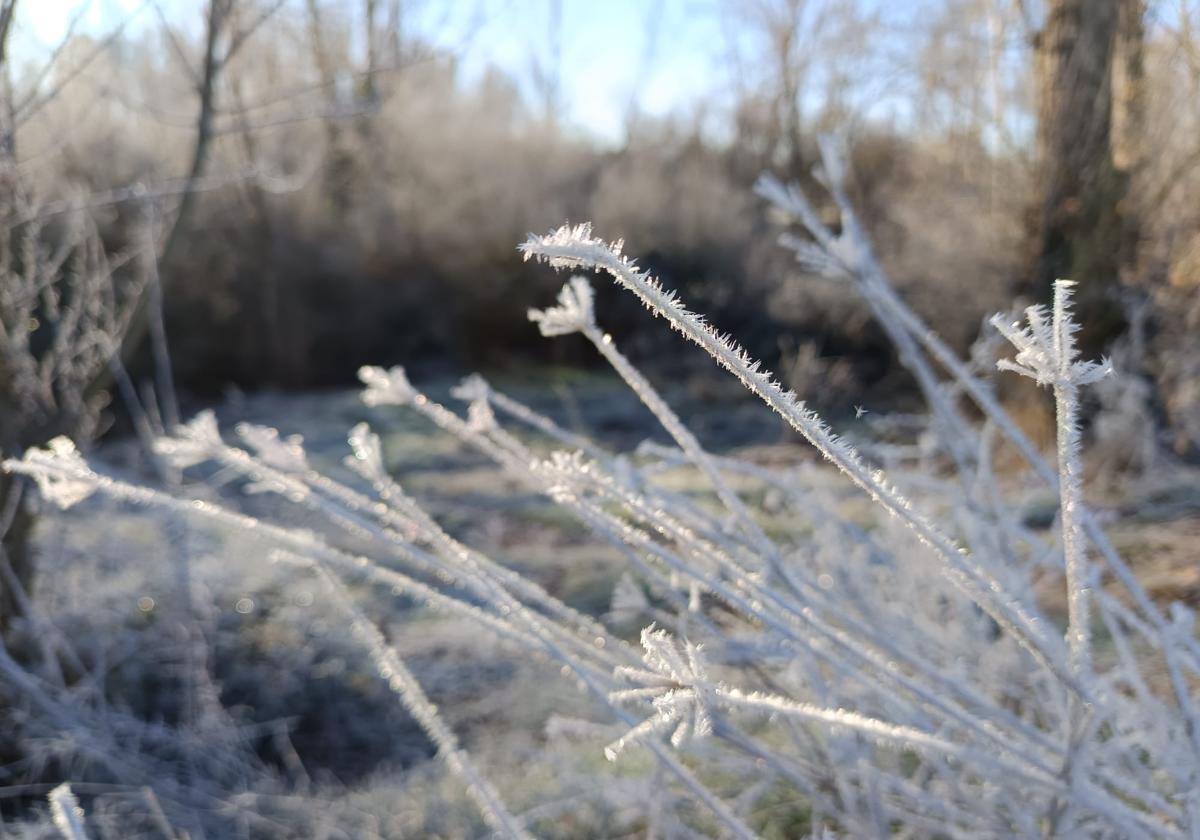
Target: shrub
897	677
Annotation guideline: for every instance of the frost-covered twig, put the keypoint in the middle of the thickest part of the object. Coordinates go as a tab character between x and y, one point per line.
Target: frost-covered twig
1046	354
68	816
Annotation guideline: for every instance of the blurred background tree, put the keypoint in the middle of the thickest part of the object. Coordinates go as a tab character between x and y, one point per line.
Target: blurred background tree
1090	78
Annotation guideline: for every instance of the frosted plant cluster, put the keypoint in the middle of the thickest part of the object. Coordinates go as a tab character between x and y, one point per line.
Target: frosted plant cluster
900	679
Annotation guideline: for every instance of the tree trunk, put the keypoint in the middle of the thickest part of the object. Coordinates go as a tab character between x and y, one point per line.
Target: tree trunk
219	12
1129	121
1082	224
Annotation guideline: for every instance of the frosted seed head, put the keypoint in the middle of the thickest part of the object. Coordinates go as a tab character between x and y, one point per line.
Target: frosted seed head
193	442
1046	347
386	387
282	453
69	485
368	453
574	312
473	387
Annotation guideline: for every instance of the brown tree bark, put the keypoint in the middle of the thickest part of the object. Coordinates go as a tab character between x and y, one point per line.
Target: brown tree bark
1088	73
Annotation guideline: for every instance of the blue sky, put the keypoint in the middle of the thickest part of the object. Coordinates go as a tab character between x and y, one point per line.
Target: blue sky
662	56
664	52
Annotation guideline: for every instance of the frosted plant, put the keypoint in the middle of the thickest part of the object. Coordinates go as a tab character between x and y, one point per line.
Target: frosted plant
575	246
901	678
1046	354
915	339
390	387
573	313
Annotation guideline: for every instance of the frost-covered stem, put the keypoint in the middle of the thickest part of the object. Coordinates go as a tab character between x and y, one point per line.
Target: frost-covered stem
68	816
1071	491
726	730
300	542
682	506
449	421
852	254
589	678
576	247
799	625
513	456
761	603
96	745
406	686
489	569
1046	354
986	401
721	810
924	742
684	437
898	735
599	644
50	638
343	506
142	424
544	424
1184	696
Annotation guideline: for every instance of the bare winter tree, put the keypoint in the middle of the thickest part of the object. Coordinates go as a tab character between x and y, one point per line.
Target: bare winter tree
70	307
807	62
228	26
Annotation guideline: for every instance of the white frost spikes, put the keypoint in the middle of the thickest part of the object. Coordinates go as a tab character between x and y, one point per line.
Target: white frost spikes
285	454
1046	354
192	442
1046	351
573	313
